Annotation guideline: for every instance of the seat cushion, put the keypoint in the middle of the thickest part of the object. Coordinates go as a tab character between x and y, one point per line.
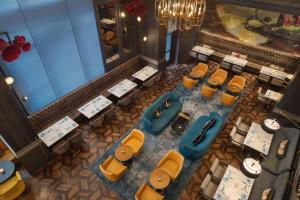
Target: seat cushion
243	128
211	189
134	143
170	167
115	167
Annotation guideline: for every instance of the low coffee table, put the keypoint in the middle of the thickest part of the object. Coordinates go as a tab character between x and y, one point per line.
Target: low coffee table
159	179
181	122
251	167
124	153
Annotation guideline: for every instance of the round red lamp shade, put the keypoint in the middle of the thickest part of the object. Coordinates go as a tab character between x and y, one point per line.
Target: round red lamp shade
9	52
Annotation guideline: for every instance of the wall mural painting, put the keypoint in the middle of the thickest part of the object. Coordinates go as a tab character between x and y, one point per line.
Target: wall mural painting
254	26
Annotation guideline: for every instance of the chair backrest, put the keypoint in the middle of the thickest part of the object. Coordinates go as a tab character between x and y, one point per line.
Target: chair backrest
138	134
207	91
202	67
215	165
188	82
238	80
238	121
127	100
205	182
227	99
233	132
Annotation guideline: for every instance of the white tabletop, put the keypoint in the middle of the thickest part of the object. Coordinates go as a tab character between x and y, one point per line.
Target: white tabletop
94	106
57	131
273	72
258	139
145	73
275	96
234	185
203	50
235	60
122	88
108	21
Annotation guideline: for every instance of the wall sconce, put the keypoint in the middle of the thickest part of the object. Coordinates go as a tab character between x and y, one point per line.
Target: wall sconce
11	50
139	19
123	15
145	38
9	80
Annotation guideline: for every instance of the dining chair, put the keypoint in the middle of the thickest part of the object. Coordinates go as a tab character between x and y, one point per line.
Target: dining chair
98	121
237	69
135	140
277	82
112	169
236	138
61	148
264	78
217	170
241	126
145	192
225	65
208	188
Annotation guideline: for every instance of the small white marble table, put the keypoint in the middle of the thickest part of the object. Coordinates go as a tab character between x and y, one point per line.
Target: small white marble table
271	124
234	185
122	88
145	73
235	60
252	167
273	73
203	50
107	21
258	139
94	106
274	96
57	131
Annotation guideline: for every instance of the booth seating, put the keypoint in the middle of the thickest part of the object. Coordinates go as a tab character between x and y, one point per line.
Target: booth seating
135	140
12	188
146	192
189	83
261	96
219	75
156	125
207	91
171	163
208	188
228	99
186	146
272	163
217	170
199	71
237	139
112	169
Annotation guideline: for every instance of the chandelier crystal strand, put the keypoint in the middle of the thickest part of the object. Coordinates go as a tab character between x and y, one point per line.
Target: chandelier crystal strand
181	14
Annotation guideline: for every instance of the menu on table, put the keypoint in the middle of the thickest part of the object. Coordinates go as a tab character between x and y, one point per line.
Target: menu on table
203	50
273	72
235	60
145	73
258	139
275	96
94	106
57	131
234	185
122	88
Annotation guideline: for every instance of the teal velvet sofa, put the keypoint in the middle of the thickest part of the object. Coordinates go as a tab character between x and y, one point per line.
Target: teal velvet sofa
156	126
186	146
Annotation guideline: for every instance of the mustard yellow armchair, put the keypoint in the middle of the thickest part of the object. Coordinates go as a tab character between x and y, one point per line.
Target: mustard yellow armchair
199	71
135	140
227	99
145	192
220	76
207	91
171	163
189	83
12	188
112	169
237	81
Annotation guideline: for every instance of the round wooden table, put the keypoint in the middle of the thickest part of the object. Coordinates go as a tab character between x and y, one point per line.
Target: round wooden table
159	179
7	170
124	153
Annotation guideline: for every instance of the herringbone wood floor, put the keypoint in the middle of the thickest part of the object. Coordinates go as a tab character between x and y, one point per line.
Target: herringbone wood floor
79	182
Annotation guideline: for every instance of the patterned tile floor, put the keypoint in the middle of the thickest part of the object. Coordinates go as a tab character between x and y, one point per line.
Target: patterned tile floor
79	182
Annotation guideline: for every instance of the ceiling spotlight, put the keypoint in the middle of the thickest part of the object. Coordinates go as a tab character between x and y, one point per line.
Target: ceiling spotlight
139	19
123	15
9	80
145	38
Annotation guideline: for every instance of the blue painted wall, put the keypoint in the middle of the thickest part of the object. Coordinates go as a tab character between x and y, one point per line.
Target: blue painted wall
66	51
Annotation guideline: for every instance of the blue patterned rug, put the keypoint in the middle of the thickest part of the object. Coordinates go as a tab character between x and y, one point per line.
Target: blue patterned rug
156	147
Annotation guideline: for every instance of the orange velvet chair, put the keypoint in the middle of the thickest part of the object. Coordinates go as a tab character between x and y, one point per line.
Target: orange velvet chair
135	140
220	76
171	163
227	99
207	91
237	81
146	192
199	71
112	169
189	83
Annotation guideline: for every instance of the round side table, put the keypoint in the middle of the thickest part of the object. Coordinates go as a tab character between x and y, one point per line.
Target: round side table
271	125
251	167
159	179
7	169
124	153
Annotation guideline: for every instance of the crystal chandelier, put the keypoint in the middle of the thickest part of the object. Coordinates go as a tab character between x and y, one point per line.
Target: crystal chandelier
181	14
